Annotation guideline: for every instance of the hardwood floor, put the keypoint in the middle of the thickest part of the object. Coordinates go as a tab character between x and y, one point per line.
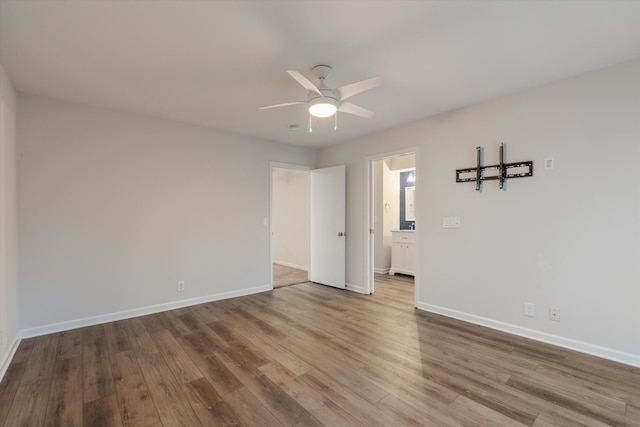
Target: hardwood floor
287	276
309	355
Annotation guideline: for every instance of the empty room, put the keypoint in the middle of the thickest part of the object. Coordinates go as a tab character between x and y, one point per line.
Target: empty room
307	213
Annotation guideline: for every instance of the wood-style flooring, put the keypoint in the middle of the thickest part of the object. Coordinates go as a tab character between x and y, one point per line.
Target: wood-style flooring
287	276
310	355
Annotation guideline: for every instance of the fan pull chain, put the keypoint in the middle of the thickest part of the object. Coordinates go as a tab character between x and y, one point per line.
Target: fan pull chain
310	128
335	121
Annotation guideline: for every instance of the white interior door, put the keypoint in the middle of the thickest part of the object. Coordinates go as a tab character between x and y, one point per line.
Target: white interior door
327	228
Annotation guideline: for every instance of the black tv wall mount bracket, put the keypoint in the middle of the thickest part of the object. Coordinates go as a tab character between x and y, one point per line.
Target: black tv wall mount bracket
501	171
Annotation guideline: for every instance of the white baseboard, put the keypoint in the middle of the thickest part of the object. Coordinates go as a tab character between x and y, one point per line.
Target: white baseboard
126	314
583	347
6	360
357	288
290	264
381	270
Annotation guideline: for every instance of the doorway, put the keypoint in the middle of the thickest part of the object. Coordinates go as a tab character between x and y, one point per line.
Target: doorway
289	225
308	219
391	212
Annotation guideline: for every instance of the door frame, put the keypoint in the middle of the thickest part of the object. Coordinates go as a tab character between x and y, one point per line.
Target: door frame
369	218
272	166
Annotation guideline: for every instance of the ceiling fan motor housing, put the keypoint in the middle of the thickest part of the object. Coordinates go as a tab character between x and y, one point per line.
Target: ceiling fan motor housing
327	95
322	106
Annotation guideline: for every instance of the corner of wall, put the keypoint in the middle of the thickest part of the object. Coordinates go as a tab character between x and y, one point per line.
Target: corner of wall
6	357
8	222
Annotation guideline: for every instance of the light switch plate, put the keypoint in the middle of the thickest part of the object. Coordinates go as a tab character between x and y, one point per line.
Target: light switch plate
529	309
451	222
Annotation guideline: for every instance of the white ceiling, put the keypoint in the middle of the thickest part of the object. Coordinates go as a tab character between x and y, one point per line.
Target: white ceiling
213	63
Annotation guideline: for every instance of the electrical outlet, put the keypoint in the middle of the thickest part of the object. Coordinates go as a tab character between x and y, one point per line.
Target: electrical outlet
529	309
181	286
554	314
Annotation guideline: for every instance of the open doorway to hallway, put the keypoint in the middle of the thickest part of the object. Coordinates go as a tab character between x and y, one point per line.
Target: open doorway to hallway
392	218
289	226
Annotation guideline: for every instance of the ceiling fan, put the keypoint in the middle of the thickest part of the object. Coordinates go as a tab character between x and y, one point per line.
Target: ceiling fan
323	101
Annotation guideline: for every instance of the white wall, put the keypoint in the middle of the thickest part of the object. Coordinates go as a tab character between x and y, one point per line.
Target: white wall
290	223
392	199
379	259
392	193
386	206
381	262
567	237
407	161
115	209
8	226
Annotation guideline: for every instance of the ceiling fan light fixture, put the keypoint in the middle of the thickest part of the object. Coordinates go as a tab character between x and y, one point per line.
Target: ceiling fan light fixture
324	102
323	107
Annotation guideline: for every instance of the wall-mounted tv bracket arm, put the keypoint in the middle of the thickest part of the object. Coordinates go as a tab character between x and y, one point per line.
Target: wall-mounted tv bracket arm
477	174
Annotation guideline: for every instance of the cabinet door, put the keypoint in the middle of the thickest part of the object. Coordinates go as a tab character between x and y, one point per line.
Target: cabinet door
397	255
410	256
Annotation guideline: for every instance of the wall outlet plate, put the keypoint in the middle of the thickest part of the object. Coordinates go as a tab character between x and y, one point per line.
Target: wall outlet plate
554	314
181	286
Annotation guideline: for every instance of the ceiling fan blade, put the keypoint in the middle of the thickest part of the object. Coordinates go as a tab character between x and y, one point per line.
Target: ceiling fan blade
304	82
356	110
348	91
282	105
